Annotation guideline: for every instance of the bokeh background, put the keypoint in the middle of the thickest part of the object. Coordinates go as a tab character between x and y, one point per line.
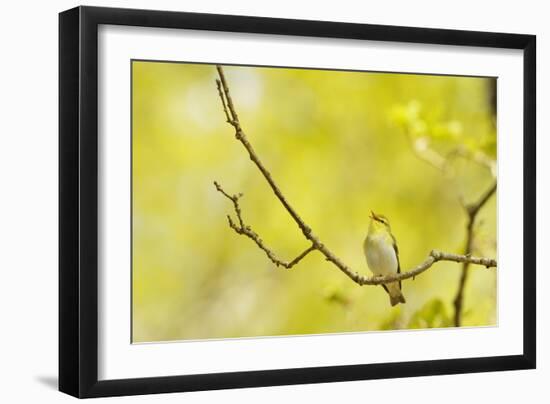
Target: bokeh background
338	144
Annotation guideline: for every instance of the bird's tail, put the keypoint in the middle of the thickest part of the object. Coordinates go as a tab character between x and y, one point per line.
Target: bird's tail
396	296
397	299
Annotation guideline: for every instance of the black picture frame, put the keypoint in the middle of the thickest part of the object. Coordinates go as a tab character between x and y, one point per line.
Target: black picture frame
78	201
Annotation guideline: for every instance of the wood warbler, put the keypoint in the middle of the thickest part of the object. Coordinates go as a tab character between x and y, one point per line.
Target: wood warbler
382	255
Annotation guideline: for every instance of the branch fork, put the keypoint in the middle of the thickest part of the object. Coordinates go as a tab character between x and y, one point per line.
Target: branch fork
240	227
421	148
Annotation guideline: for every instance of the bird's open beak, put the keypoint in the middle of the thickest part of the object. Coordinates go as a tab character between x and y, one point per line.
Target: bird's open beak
372	215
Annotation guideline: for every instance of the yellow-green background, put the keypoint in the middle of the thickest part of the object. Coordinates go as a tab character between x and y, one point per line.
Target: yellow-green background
335	143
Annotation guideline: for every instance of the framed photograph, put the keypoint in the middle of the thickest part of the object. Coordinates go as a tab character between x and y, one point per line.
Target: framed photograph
251	201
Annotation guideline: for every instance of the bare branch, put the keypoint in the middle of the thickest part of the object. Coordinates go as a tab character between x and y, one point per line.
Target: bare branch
435	256
234	120
247	231
316	244
306	230
421	148
222	97
486	262
432	157
472	210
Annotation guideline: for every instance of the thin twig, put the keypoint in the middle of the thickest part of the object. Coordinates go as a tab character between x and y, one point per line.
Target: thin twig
247	231
228	118
316	244
421	148
472	210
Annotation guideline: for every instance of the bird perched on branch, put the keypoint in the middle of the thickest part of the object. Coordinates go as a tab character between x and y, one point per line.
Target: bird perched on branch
382	255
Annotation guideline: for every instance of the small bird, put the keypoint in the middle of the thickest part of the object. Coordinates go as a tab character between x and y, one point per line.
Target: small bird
382	255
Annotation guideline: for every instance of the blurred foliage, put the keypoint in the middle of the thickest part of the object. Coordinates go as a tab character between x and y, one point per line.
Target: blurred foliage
432	315
337	144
